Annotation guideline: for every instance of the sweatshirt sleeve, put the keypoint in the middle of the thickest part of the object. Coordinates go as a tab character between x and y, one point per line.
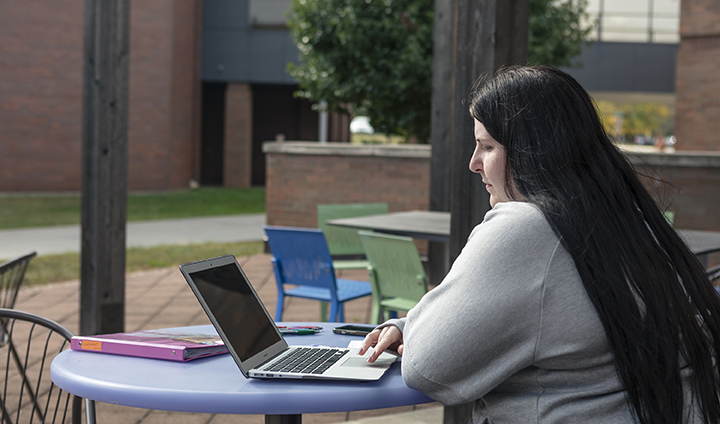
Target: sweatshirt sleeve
480	325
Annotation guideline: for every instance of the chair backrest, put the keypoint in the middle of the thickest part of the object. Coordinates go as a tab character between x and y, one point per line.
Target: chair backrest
714	274
345	241
28	394
12	274
395	263
301	257
669	217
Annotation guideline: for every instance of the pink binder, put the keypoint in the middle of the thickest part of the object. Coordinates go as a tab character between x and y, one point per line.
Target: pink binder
158	344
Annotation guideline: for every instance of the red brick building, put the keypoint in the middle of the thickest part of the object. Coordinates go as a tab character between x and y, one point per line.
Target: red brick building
41	49
697	118
186	123
208	86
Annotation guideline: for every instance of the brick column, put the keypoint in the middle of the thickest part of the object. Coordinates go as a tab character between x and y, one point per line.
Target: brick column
697	118
237	161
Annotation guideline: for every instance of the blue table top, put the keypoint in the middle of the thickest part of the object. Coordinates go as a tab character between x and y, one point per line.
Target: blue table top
216	385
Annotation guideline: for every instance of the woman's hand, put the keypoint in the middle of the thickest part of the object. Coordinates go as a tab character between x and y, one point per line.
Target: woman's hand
388	337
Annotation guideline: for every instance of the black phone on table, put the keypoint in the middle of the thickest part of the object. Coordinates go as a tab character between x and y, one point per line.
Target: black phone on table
354	329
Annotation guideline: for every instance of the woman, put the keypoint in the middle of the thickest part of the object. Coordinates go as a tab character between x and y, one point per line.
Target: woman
574	301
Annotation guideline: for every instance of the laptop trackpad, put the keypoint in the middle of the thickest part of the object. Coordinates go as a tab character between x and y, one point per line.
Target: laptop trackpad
359	361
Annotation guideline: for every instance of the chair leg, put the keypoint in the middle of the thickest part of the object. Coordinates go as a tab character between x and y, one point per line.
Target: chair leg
333	312
376	312
386	314
377	309
323	312
280	305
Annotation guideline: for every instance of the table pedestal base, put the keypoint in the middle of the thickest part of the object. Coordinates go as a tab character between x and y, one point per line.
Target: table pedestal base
283	419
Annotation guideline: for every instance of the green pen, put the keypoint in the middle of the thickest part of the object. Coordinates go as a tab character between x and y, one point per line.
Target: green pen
300	331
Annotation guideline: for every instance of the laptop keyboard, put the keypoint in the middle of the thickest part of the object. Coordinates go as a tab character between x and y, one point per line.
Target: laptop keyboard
307	361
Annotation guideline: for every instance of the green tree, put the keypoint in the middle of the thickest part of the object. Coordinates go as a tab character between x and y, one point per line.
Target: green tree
374	57
649	119
367	57
627	120
556	32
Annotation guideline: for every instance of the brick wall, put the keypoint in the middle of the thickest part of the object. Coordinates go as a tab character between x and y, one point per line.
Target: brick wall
699	17
697	196
697	118
40	94
692	189
302	175
41	59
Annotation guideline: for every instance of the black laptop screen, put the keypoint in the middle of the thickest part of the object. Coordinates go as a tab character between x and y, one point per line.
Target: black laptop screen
237	310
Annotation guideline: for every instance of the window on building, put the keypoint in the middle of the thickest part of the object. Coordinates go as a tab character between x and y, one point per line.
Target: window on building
269	13
652	21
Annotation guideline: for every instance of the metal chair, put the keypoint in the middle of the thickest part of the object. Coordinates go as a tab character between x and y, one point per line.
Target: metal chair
396	273
714	274
12	273
344	244
301	258
28	394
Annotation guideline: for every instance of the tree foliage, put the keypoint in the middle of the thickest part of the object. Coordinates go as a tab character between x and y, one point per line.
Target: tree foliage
374	57
627	120
367	57
556	34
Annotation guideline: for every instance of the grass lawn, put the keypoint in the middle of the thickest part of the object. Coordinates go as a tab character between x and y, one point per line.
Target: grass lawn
45	269
22	211
47	210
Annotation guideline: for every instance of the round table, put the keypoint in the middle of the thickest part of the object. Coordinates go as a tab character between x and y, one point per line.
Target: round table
216	385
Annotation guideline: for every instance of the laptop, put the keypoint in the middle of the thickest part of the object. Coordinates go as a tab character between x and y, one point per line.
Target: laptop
253	339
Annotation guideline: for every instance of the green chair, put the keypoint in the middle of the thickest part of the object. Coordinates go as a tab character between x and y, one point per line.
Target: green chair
396	273
344	244
669	216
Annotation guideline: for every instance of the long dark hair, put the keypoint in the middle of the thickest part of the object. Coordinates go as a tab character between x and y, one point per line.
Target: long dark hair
659	311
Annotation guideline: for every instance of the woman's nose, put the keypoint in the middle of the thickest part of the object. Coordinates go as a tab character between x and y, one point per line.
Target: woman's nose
476	162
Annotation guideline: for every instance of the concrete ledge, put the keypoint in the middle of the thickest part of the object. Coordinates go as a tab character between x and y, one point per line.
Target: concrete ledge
652	158
684	159
347	149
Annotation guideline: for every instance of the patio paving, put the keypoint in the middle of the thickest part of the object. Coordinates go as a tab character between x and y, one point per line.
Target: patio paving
161	298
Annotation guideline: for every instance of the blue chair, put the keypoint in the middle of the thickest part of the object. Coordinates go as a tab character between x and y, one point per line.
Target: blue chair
714	276
301	258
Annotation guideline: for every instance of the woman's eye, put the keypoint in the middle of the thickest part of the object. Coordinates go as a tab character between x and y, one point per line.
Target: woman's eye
487	148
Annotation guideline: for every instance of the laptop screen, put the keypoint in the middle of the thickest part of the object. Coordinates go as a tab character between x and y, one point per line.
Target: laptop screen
237	310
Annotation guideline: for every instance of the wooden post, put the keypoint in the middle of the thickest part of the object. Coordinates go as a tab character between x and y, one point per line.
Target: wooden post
472	37
104	175
440	131
512	30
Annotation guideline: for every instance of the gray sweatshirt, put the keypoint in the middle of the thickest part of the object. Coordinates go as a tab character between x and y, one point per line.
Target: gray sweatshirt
512	328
